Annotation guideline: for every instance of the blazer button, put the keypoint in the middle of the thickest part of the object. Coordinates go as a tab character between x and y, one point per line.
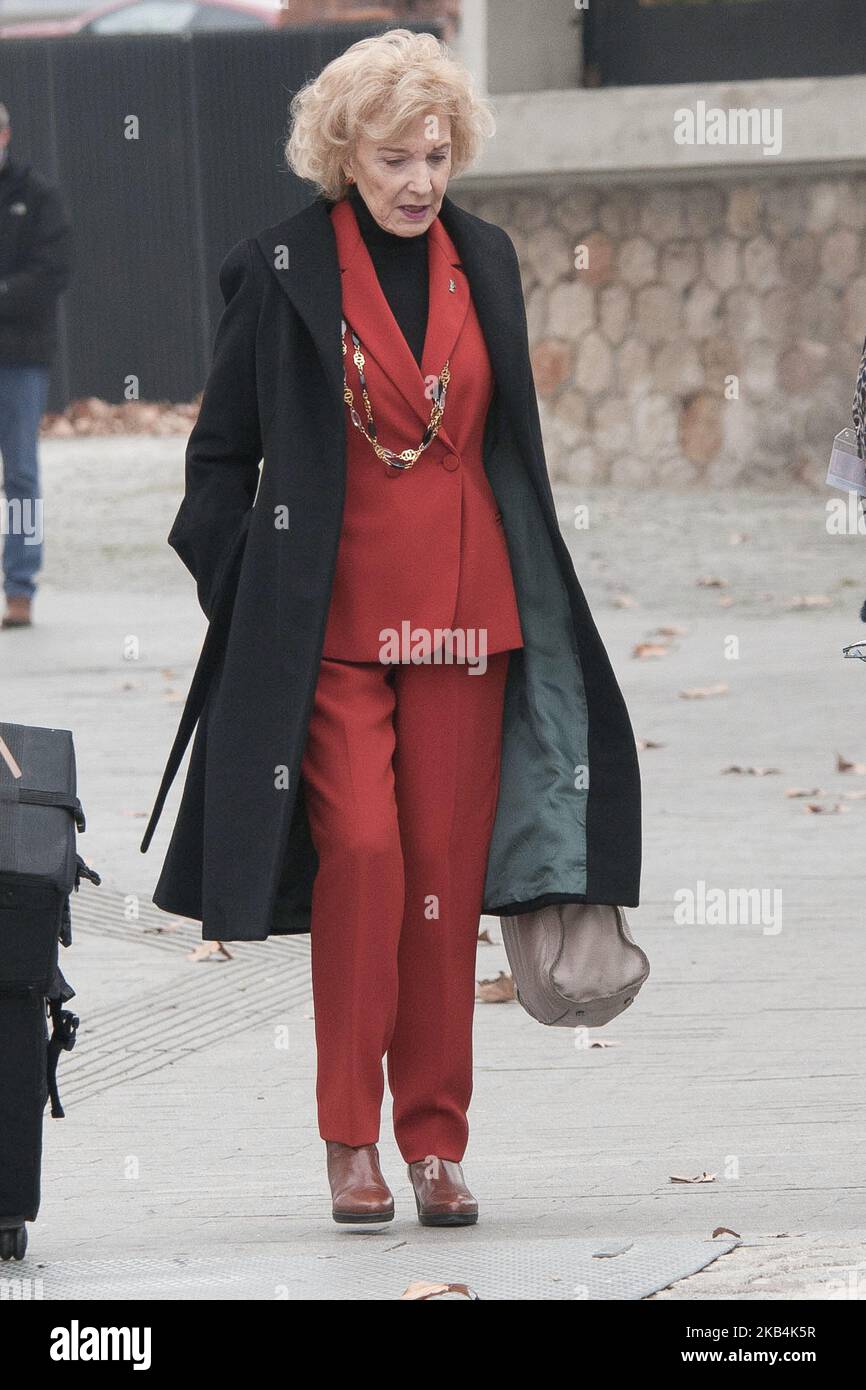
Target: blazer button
451	461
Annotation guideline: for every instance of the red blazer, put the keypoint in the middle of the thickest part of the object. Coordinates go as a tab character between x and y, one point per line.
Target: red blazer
425	545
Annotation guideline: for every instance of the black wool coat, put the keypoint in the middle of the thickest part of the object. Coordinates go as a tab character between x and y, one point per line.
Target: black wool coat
262	547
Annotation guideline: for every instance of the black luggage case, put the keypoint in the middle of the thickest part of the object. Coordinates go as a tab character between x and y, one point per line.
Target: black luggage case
39	869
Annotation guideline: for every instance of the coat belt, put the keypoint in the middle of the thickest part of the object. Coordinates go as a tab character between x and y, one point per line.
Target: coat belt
192	709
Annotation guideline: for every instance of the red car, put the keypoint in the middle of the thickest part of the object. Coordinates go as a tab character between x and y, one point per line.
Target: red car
151	17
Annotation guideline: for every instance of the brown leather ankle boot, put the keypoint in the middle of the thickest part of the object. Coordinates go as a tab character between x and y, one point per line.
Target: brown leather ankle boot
17	612
358	1190
441	1195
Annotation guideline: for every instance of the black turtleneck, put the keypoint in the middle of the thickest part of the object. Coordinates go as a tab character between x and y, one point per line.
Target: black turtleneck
401	266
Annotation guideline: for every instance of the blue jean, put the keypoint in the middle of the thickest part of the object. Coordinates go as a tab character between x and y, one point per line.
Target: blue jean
23	395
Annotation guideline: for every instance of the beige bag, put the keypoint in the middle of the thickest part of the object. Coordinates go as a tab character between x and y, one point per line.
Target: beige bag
574	964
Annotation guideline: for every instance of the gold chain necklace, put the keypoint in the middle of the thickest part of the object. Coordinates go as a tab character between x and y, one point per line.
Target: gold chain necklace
390	459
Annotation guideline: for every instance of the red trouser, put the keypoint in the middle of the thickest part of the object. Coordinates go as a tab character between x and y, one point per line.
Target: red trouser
401	768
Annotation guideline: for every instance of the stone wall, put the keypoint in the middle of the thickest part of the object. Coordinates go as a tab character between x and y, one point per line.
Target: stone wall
711	334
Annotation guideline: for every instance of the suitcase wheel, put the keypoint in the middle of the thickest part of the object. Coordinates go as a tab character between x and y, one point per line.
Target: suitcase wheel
13	1242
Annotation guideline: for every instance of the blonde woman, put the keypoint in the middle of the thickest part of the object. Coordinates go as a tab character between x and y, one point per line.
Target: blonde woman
407	715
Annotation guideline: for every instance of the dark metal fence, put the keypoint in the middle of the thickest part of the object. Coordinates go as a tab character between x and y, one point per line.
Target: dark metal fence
627	43
167	150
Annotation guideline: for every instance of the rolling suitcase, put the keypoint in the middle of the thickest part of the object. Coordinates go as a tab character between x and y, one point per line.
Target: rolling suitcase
39	870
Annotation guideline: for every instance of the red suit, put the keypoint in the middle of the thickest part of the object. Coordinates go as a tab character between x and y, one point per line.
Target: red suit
425	543
401	764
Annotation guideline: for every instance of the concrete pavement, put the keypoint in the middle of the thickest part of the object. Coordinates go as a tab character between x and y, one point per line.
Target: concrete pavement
191	1130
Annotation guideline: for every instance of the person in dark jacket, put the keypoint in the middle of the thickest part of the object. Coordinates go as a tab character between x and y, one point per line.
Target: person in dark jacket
35	267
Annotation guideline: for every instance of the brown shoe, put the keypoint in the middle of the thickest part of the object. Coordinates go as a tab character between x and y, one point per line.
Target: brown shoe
17	613
441	1195
358	1190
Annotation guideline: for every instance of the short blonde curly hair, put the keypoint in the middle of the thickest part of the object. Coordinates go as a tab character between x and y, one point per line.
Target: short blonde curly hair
376	88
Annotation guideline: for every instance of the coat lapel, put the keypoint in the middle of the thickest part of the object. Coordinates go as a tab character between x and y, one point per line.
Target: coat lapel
497	293
368	312
302	254
450	297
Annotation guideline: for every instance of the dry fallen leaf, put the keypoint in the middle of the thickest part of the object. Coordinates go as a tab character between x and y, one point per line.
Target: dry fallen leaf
207	950
645	649
421	1290
711	581
93	416
704	1177
703	692
671	630
498	991
809	601
753	771
843	765
643	743
801	791
725	1231
485	936
811	808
